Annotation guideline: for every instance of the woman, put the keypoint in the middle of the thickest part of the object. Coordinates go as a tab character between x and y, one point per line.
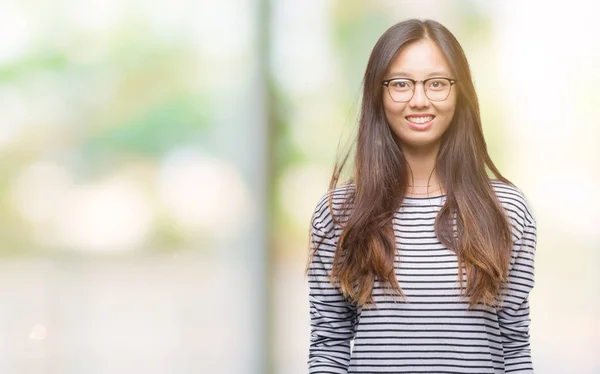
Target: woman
387	246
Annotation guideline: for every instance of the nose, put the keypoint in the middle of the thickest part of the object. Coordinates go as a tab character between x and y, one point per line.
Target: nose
419	99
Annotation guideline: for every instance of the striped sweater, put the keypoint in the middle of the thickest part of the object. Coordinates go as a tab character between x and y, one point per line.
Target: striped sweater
431	331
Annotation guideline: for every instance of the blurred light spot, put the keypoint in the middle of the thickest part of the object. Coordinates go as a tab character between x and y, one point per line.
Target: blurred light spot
112	215
38	332
203	193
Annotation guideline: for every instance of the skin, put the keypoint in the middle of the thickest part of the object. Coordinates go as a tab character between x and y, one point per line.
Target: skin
420	60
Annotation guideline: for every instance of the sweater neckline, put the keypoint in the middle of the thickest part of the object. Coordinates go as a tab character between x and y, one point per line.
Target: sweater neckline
424	198
428	200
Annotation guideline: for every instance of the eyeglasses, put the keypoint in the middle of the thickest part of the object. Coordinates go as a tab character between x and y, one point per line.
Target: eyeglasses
402	90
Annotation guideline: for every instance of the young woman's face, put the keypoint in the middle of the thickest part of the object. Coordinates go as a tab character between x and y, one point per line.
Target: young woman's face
420	122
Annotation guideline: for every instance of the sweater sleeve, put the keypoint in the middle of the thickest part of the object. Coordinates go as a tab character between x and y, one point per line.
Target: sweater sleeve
514	317
332	316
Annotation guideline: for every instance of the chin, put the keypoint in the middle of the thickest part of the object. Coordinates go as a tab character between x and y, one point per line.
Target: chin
419	142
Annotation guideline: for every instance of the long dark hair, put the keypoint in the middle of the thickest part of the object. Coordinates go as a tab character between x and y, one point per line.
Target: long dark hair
366	248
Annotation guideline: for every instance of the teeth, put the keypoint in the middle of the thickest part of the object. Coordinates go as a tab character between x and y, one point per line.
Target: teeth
419	119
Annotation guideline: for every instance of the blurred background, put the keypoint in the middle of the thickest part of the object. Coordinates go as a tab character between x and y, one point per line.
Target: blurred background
160	160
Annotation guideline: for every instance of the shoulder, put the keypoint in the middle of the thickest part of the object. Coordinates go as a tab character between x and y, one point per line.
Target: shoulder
515	204
323	216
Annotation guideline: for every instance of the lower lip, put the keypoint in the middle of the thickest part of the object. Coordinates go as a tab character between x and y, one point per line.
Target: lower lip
420	126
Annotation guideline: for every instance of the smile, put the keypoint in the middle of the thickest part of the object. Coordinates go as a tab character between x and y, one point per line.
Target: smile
419	119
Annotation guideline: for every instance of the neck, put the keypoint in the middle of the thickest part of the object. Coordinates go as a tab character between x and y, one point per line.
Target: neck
422	163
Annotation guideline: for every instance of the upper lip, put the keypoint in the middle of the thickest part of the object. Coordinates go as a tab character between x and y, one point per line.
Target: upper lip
421	115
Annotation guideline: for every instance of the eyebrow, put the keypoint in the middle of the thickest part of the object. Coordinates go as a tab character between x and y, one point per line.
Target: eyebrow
401	74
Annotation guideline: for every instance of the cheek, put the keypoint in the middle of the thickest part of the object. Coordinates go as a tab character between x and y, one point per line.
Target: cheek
446	111
393	108
446	108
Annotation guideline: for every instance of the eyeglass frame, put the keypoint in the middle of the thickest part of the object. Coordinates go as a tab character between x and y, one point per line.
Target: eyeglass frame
414	81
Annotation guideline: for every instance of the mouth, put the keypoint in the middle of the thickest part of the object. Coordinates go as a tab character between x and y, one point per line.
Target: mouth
420	120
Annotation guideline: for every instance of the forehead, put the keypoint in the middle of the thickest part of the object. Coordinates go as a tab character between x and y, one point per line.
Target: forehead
418	60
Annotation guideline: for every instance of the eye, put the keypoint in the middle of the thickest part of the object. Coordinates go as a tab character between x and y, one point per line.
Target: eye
437	84
400	85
